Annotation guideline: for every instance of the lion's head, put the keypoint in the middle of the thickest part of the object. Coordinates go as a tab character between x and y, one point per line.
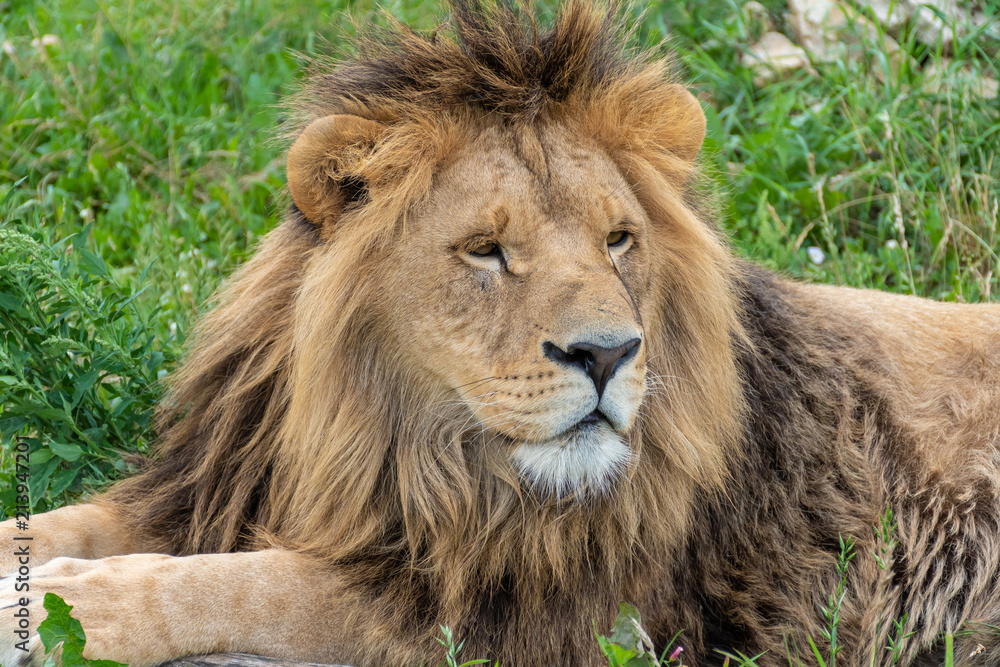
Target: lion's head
494	328
516	290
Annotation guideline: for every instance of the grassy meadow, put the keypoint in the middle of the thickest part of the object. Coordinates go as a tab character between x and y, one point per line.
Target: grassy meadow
138	168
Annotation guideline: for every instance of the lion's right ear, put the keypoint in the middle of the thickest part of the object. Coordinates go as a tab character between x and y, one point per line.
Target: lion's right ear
322	165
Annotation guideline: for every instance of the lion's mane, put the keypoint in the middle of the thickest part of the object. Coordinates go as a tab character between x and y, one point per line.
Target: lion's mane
293	421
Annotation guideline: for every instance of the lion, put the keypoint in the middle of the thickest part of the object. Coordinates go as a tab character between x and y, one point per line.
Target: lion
499	370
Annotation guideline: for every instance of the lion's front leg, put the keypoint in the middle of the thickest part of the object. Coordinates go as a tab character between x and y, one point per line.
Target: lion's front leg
79	531
144	609
28	543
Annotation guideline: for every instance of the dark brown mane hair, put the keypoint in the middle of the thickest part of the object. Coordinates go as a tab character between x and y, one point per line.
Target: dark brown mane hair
497	63
293	422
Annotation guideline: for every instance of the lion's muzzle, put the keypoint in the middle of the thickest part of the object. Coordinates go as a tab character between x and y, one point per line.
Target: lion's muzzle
598	362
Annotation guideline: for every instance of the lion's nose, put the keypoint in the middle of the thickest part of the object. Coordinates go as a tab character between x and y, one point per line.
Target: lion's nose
600	363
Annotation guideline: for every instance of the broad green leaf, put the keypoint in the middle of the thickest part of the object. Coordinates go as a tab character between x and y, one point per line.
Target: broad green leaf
95	435
628	629
10	302
628	645
614	654
154	361
51	413
59	626
67	451
82	384
72	656
40	476
63	478
93	263
40	456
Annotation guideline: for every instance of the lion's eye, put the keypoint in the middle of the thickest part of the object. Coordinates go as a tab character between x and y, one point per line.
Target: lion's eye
485	250
617	238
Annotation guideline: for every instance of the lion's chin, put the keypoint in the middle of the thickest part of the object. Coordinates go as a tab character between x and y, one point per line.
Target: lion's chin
585	458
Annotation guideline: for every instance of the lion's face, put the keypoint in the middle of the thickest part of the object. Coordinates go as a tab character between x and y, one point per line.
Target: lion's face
523	276
521	282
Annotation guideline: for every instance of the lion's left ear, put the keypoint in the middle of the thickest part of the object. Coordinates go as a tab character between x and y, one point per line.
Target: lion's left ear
323	162
684	130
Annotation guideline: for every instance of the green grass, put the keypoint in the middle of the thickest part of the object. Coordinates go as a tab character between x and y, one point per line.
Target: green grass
137	168
854	160
153	121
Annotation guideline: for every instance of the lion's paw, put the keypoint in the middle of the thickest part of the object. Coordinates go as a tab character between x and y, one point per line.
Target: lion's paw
101	593
21	606
28	653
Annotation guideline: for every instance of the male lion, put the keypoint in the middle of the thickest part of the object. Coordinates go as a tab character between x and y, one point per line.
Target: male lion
496	371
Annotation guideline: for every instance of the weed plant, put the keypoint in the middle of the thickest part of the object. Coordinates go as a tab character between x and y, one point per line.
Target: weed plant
78	364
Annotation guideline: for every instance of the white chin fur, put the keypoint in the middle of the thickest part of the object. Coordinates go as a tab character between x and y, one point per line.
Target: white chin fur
587	458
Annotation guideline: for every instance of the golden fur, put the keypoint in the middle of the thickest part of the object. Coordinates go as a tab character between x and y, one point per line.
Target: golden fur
346	431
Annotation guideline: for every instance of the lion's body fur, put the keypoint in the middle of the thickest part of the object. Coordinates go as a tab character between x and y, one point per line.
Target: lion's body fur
861	402
783	416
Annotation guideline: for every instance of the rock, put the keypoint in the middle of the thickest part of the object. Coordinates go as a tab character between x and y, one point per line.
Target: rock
814	22
774	56
929	27
238	660
989	88
987	22
921	13
831	30
757	17
890	13
941	74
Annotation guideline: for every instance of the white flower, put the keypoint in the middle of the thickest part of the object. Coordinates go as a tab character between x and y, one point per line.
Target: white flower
45	40
892	244
8	47
816	255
